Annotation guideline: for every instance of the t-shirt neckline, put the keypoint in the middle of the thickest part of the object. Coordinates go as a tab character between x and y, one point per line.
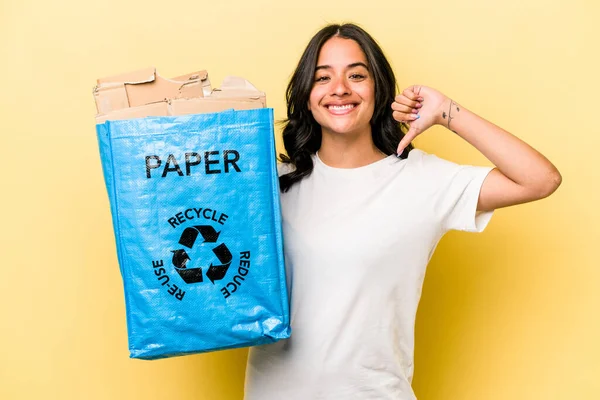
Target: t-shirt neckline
356	170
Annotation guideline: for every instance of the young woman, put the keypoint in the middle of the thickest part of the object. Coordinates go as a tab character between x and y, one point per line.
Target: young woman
362	214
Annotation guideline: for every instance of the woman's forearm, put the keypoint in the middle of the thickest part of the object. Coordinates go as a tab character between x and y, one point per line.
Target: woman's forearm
517	160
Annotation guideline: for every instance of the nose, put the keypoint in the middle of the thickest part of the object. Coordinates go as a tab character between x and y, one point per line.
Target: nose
341	87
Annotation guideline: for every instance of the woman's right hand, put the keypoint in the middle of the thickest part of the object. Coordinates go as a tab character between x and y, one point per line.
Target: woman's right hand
421	107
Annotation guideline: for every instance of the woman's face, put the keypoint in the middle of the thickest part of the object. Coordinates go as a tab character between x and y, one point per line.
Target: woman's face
342	99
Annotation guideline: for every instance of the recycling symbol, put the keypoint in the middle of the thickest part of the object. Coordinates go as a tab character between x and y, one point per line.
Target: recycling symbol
181	258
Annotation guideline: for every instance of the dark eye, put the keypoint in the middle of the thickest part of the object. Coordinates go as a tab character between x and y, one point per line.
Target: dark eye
321	79
357	76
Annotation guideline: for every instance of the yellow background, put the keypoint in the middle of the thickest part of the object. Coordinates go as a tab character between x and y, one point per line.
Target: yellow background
508	314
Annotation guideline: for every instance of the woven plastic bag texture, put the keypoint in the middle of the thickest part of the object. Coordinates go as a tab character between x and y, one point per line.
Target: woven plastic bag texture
196	215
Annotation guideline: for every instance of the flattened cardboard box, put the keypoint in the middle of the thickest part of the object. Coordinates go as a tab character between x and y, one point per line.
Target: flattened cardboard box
145	93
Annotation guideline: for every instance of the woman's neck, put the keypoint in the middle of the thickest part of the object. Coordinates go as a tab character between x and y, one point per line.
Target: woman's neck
345	152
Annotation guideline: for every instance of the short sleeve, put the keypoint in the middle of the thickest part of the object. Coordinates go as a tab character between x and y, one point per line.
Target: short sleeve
455	189
462	197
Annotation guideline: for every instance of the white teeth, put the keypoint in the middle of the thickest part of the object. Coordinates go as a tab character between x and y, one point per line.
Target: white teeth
344	107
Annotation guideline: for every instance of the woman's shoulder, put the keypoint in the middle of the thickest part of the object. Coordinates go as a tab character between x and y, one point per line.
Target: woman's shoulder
428	161
430	168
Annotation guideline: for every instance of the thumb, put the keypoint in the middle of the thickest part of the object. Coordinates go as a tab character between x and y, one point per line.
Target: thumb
408	137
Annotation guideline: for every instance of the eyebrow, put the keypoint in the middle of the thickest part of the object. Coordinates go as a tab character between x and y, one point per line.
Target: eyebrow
356	64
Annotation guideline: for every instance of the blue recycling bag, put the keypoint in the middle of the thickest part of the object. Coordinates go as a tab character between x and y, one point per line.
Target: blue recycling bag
196	215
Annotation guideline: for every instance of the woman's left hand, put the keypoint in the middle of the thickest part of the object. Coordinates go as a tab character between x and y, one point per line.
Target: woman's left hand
421	107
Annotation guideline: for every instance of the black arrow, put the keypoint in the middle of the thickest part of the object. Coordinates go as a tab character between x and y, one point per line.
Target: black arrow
208	233
189	235
223	253
180	258
217	272
189	275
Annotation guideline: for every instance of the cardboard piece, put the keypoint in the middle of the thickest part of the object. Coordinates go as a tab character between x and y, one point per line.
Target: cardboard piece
146	86
144	93
236	87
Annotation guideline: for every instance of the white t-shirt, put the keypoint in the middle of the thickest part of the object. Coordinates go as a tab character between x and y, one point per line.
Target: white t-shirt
357	243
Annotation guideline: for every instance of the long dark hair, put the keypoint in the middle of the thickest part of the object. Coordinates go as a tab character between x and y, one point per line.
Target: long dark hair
302	134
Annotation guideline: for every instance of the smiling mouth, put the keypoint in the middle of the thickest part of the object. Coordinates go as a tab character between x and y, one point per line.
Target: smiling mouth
340	109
